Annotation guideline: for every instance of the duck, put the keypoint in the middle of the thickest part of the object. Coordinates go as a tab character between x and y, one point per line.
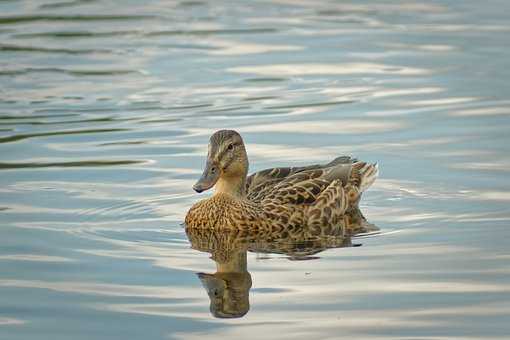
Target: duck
279	199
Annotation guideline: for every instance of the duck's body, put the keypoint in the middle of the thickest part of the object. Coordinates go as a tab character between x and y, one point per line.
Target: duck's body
275	199
294	243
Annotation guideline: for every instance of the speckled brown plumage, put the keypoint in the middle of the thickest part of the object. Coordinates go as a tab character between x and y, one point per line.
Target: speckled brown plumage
276	199
296	242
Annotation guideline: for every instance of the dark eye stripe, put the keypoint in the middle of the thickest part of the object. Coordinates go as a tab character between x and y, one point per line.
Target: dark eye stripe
229	162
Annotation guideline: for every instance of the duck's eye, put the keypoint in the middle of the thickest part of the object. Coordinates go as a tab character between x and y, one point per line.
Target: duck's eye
230	147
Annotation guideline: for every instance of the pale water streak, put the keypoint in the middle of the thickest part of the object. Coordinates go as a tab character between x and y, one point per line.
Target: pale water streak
105	112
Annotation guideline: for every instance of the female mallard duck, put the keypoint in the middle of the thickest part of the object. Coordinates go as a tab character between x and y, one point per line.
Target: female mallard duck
282	199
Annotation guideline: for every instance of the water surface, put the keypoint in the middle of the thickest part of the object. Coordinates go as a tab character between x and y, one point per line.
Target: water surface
105	112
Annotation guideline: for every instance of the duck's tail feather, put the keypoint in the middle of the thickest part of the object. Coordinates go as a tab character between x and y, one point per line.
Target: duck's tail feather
368	173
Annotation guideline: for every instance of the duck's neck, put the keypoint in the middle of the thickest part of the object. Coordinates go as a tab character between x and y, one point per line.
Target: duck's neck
234	186
236	264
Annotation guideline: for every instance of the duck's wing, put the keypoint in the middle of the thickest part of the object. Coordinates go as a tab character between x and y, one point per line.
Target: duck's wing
260	183
342	195
355	177
325	195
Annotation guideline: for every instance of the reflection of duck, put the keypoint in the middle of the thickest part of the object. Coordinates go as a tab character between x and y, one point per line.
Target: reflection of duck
277	199
229	287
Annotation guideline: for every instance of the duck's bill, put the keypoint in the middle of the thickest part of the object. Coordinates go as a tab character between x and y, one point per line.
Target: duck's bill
208	179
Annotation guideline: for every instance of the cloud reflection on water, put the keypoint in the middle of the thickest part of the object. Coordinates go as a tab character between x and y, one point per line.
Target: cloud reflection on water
328	69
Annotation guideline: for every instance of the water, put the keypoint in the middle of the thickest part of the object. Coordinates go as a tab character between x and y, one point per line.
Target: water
105	112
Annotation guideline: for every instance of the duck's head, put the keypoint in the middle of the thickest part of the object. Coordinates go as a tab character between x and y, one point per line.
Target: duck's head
226	165
229	293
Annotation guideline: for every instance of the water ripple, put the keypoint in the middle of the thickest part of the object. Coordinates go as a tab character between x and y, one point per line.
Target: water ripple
91	163
19	19
28	49
71	72
19	137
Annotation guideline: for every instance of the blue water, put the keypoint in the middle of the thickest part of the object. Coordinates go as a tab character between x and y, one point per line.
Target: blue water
106	108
